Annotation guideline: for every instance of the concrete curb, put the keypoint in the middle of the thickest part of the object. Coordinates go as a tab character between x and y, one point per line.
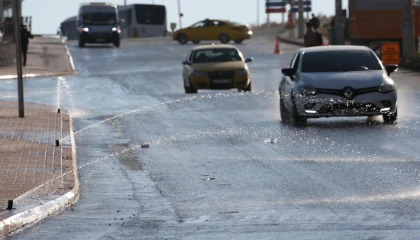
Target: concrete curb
34	215
35	75
69	57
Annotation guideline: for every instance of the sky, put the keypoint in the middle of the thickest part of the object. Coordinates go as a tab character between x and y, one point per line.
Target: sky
48	14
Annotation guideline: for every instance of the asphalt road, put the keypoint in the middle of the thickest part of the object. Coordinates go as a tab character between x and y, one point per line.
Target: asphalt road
220	164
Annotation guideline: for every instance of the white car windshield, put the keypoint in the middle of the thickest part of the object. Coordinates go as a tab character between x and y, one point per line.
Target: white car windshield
97	18
340	61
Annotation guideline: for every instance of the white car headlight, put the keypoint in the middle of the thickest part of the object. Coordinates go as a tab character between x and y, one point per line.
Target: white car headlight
115	29
386	88
241	72
85	29
307	89
199	74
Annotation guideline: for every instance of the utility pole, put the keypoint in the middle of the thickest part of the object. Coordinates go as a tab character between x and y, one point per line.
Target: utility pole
338	23
1	11
301	20
16	14
408	36
268	17
258	13
179	14
125	2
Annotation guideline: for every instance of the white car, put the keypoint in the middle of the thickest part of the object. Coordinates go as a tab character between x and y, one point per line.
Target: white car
337	81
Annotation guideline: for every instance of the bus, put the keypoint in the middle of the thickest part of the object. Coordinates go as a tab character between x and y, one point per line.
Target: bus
142	20
98	23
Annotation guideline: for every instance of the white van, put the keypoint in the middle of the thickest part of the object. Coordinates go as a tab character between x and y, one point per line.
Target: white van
98	23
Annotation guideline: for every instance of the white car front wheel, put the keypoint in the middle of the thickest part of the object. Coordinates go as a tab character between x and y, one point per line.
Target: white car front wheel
283	111
391	118
298	120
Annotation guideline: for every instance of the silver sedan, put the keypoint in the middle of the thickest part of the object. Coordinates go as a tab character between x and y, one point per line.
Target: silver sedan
337	81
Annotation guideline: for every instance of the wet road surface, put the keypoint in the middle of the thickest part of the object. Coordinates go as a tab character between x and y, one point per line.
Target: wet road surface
220	164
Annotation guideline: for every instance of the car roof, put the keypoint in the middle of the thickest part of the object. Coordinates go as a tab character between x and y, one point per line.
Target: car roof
212	19
214	46
334	48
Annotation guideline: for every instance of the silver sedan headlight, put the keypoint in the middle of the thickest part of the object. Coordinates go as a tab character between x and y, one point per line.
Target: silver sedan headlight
307	89
386	88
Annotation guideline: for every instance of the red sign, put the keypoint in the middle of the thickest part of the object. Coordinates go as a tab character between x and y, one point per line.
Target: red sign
290	20
275	10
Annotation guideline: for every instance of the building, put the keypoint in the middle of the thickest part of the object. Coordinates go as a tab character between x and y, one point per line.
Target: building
5	9
6	18
68	28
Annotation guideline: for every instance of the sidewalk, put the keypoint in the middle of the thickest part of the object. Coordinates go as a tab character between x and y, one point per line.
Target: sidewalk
47	56
32	167
288	36
40	177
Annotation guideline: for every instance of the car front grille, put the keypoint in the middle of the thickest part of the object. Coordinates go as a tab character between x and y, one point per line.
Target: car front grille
359	108
100	35
340	92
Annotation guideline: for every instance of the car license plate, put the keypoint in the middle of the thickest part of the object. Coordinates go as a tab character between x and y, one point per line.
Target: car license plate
222	81
345	112
100	40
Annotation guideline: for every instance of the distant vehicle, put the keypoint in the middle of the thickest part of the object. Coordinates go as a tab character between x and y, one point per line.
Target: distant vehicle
224	31
98	23
378	21
216	67
337	81
143	20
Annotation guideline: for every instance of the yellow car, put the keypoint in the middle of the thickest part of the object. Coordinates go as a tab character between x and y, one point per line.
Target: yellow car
216	67
224	31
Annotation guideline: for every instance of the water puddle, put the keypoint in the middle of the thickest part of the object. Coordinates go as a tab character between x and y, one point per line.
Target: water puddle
176	101
128	158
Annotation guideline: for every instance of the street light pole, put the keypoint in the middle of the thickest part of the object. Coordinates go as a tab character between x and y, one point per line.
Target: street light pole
16	14
125	2
408	42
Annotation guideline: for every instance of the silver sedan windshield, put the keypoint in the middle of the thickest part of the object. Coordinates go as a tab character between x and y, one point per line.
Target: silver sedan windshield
340	61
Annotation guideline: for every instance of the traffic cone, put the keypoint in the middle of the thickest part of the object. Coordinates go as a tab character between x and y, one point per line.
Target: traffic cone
277	46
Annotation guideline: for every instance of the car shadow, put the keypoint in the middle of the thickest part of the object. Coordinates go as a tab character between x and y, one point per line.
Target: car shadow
98	46
340	123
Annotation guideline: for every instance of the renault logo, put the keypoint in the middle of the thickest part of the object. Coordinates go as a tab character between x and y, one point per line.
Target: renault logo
348	93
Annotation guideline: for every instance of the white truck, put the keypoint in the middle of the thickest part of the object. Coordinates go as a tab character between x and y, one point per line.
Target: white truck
98	23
